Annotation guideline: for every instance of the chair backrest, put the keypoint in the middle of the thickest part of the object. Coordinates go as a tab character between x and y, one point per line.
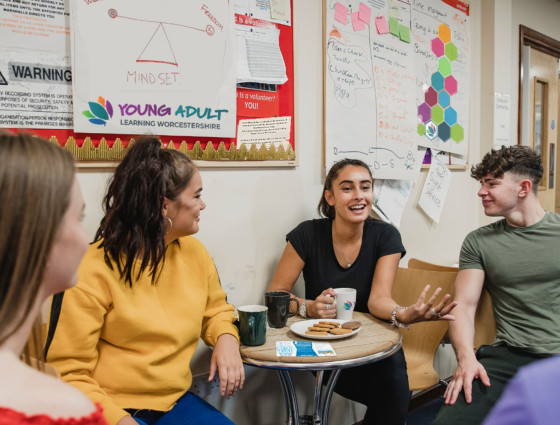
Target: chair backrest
484	322
421	340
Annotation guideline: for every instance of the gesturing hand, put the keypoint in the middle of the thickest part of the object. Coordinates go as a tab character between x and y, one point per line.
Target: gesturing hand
422	311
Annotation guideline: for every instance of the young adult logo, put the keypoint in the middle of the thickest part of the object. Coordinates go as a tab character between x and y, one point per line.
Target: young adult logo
99	112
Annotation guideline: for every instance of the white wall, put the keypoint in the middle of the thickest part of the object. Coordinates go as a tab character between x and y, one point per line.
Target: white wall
249	211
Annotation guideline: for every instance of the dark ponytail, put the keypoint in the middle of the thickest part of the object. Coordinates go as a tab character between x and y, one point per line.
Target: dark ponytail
134	226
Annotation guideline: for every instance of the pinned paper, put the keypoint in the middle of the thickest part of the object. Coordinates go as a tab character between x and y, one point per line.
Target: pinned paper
381	25
341	13
435	188
394	26
364	13
303	349
404	33
357	24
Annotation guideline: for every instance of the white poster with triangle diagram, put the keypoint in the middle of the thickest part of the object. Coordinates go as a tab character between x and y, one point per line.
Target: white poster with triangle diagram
154	67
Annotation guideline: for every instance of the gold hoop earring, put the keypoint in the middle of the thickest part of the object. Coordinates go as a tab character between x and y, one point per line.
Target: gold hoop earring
170	224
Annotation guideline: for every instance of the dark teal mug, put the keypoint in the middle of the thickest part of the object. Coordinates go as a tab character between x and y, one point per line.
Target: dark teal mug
252	324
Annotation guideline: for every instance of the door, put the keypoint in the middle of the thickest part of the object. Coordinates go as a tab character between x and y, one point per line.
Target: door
539	106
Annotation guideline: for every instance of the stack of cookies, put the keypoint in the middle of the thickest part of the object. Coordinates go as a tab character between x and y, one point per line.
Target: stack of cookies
324	328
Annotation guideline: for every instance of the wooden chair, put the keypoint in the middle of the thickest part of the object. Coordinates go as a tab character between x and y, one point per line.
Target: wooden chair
421	340
484	322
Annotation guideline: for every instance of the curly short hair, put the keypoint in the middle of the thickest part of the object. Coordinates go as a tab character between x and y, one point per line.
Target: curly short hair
519	160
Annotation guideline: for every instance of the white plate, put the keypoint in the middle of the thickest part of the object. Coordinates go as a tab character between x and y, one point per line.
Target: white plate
299	328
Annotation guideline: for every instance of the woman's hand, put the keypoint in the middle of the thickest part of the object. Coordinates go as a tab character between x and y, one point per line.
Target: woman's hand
227	361
323	307
423	311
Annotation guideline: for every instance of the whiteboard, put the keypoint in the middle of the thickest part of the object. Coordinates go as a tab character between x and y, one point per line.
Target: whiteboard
375	82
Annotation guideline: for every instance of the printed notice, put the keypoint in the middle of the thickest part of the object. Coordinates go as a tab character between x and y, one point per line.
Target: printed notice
35	90
266	130
303	349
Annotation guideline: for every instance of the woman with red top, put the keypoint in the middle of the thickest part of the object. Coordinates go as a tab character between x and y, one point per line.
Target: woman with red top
42	242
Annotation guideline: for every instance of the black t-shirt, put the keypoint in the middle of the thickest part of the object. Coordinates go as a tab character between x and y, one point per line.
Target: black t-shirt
312	240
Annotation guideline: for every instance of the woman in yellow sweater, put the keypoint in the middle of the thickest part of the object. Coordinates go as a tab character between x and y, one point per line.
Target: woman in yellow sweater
147	291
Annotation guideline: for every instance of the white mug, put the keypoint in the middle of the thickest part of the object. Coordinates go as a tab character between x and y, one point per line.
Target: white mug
345	301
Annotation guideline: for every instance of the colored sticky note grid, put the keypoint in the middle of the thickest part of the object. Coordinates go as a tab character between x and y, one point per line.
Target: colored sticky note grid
364	13
404	33
381	25
357	24
341	13
394	26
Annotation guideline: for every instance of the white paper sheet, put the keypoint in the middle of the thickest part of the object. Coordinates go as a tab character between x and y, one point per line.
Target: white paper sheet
259	58
264	130
435	188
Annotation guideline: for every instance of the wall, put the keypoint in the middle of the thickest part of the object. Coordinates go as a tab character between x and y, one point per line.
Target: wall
249	211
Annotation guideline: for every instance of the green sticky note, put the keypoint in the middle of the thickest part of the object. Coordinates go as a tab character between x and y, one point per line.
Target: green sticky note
404	33
394	26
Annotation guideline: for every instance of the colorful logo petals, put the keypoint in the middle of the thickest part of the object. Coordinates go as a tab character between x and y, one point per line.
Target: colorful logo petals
348	305
99	112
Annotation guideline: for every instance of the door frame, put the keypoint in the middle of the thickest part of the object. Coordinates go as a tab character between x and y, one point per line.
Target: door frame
538	41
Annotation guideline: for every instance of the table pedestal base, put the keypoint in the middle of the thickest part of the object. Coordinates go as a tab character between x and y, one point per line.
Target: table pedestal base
321	398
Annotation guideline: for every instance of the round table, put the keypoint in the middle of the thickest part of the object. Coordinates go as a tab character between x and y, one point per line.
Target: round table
375	341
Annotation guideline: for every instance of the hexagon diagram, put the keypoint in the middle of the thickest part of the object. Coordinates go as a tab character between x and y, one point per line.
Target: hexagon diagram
438	47
450	51
457	133
444	99
437	114
431	96
444	67
450	84
444	132
431	130
424	112
437	81
444	33
450	116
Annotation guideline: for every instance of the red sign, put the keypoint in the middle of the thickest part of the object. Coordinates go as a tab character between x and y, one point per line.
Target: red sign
257	103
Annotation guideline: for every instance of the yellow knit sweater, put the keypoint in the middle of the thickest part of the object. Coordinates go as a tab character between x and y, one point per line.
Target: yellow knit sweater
131	347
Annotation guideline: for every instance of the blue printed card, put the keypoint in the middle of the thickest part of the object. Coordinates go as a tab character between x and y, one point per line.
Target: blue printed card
303	349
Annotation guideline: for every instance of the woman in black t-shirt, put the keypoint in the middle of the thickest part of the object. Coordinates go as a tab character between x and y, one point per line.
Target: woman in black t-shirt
348	248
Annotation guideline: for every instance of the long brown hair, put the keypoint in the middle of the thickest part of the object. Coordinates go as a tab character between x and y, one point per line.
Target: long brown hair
134	226
36	178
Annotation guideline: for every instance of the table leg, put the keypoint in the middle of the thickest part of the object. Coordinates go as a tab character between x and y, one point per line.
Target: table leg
328	395
317	398
290	396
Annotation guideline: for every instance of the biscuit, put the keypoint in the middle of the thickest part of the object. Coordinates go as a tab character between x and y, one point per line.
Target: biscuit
317	329
333	324
323	325
351	325
340	331
325	333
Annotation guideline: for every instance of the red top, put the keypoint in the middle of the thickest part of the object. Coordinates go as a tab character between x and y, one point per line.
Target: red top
13	417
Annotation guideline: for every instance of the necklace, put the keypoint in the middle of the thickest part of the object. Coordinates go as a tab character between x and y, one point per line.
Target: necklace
354	250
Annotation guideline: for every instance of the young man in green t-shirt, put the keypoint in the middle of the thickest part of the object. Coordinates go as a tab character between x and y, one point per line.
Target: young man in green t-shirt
513	259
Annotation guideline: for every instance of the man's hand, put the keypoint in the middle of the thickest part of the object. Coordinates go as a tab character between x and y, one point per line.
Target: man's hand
466	372
227	361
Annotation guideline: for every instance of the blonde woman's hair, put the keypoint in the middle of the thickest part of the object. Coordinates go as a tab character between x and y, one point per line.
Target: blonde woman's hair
36	178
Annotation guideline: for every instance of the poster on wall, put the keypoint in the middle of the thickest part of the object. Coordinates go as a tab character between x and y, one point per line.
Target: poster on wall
35	73
369	86
149	67
440	32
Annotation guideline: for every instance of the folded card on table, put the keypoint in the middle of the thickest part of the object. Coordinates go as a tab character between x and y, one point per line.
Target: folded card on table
303	349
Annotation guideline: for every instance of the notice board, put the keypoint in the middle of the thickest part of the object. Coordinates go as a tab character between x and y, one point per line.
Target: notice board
396	76
21	63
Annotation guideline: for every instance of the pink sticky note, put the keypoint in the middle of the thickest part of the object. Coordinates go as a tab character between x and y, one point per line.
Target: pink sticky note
341	13
357	24
381	25
364	13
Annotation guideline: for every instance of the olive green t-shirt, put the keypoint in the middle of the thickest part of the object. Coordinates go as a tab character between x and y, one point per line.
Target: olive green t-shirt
522	274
